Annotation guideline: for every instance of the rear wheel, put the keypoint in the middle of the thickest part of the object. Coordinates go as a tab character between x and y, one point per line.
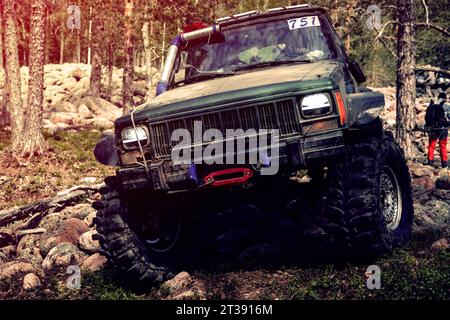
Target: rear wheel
366	206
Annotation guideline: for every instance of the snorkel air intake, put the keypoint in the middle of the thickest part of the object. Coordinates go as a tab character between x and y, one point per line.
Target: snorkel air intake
196	31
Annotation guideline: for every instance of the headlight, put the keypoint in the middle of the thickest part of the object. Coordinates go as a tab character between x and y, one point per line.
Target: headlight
318	104
131	136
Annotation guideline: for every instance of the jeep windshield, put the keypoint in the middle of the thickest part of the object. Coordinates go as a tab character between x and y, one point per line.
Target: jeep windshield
263	44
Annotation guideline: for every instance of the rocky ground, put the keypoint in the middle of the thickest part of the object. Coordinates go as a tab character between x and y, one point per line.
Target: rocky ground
243	252
248	251
68	103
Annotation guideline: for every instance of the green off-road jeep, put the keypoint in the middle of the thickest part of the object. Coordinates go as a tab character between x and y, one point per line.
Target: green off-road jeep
254	97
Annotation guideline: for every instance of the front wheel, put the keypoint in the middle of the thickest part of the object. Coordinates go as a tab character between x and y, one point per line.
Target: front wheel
367	206
138	237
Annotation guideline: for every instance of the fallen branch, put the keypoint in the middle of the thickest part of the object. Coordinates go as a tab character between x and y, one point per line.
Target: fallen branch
63	199
22	233
431	68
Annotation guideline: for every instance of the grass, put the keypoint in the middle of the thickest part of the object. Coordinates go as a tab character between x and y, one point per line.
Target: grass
68	159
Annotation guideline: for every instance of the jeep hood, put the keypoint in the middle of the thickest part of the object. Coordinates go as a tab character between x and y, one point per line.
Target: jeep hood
256	83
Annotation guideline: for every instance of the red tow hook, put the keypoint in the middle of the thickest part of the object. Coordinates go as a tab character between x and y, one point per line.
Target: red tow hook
228	177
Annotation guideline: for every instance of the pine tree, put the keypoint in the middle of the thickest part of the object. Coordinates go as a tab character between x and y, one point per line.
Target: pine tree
13	72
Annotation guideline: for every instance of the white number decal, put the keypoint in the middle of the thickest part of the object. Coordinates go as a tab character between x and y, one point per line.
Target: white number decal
304	22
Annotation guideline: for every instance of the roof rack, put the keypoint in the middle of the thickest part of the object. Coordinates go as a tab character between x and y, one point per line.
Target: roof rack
253	12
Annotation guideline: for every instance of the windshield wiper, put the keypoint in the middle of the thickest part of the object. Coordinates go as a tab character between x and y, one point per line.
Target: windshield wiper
203	76
269	63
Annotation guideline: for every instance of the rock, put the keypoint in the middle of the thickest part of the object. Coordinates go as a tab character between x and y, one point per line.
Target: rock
94	263
185	295
180	281
440	245
442	195
61	256
50	128
117	101
8	251
139	88
101	123
68	231
78	74
426	182
15	269
87	243
443	182
89	220
110	111
28	250
84	112
102	108
420	194
65	106
31	281
434	214
79	211
63	117
50	221
88	180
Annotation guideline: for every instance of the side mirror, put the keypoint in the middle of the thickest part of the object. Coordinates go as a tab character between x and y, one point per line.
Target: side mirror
356	71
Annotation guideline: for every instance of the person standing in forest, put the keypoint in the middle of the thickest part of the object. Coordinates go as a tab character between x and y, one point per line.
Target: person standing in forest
437	120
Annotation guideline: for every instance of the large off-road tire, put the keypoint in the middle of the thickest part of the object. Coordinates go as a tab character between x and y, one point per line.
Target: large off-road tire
367	206
120	243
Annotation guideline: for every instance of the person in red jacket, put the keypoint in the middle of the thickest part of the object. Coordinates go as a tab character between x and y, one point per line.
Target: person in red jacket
437	122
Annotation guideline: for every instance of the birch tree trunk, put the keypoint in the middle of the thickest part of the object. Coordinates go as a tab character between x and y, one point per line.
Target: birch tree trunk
32	142
13	72
406	78
61	46
128	69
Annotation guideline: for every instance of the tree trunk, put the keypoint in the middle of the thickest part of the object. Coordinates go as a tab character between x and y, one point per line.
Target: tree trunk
4	115
61	45
148	57
97	39
89	53
128	69
78	46
406	79
32	142
111	50
163	45
13	72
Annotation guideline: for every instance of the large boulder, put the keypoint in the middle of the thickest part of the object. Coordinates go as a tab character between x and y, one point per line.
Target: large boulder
62	256
68	231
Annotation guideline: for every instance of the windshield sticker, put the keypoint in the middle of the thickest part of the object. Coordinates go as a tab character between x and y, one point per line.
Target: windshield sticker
303	22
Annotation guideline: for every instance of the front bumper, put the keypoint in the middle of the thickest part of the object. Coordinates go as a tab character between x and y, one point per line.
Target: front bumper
294	153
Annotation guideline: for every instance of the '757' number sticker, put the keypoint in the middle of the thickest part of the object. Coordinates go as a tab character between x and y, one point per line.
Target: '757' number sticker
303	22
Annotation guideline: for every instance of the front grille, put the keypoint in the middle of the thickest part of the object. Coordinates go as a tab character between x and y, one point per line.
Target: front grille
280	115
